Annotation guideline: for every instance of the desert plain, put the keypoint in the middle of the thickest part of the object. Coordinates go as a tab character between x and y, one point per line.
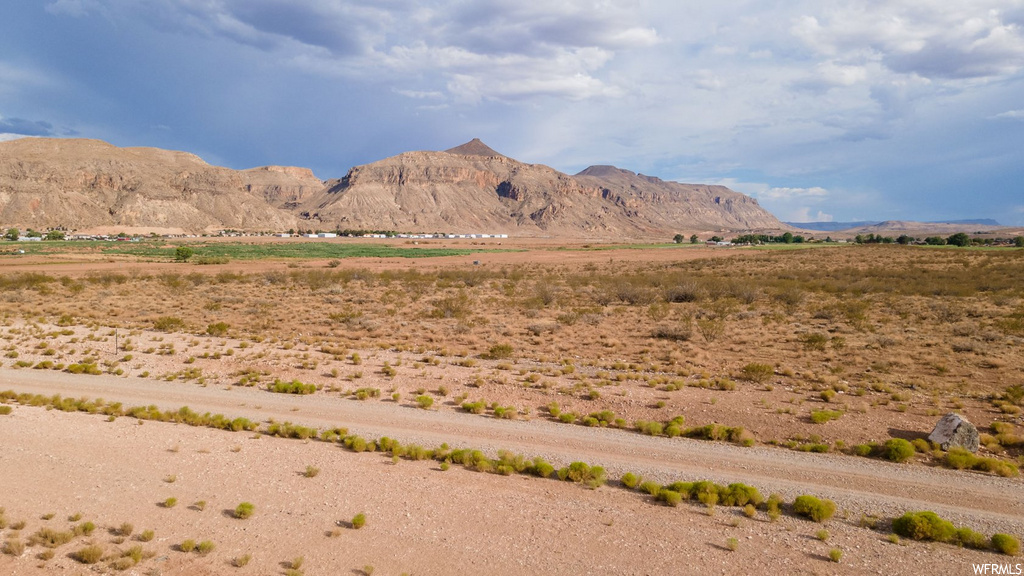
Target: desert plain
444	390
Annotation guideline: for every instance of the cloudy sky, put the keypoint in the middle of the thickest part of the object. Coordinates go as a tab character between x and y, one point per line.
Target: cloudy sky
821	109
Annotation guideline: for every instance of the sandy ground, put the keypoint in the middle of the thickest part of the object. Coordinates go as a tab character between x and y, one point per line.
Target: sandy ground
424	521
419	520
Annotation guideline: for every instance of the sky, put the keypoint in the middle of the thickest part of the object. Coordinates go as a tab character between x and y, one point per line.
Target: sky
823	110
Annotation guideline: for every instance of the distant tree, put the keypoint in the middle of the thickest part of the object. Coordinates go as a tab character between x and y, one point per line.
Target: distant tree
828	239
859	238
716	238
935	241
904	239
54	235
694	239
183	253
678	238
959	239
787	238
798	239
1019	241
12	234
33	234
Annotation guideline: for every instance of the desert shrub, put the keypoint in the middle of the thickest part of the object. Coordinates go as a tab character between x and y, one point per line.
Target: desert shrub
50	538
125	529
187	546
477	407
89	554
670	497
311	471
217	329
500	352
541	468
630	480
205	547
971	539
740	495
960	458
244	510
241	561
358	521
169	503
924	526
898	450
1006	544
582	473
424	401
774	507
732	544
651	487
14	547
814	341
146	536
294	387
758	372
822	535
168	323
5	410
814	508
84	529
822	416
835	555
863	449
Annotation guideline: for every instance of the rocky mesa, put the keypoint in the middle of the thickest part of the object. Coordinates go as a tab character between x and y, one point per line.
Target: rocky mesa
91	185
472	188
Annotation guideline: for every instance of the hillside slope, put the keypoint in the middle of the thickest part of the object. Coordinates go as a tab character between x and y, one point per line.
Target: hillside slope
89	184
472	188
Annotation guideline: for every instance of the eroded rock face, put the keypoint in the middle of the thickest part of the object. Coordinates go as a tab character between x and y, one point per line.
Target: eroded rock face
88	184
472	188
954	431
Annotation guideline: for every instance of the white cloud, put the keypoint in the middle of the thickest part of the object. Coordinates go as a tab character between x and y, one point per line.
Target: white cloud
790	193
803	214
1010	115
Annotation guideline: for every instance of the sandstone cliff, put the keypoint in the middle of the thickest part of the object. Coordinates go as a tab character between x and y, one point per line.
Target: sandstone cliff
472	188
88	184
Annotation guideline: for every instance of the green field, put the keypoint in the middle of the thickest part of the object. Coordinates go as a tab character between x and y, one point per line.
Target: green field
164	250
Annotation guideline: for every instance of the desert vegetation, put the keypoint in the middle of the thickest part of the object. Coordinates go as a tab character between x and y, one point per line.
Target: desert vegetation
853	351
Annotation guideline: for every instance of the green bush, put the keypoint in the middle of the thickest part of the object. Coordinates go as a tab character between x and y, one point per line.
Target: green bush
924	525
244	510
358	521
822	416
424	401
835	555
1006	544
217	329
89	554
758	372
670	497
630	480
898	450
582	473
971	539
960	458
188	545
500	352
168	323
813	508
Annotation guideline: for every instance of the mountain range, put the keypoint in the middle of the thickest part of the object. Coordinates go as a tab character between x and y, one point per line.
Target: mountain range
89	185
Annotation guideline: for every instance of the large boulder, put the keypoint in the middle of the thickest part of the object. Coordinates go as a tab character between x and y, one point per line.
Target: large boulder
953	430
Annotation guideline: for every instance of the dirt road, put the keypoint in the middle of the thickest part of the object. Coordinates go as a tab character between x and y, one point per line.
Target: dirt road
859	485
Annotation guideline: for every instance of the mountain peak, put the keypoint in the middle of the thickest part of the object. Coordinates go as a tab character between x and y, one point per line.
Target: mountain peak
473	148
